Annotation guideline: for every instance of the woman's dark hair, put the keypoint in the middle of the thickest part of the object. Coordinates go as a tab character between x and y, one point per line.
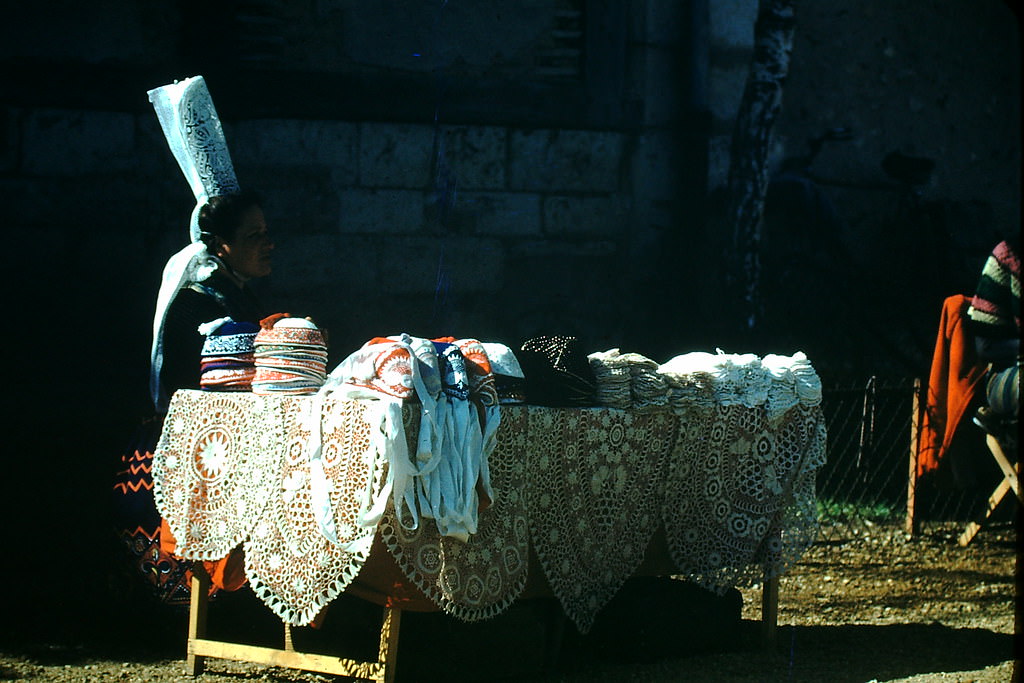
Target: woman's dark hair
221	216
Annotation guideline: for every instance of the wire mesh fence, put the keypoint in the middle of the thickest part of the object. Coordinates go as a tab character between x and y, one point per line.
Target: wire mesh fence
867	480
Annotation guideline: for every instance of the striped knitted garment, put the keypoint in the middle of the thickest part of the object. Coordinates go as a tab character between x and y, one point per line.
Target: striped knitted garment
995	308
995	317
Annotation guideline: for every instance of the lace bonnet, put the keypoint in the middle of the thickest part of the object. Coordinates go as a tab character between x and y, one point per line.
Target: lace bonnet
196	138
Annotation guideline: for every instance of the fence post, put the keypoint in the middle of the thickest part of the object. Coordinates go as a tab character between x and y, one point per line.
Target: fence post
910	524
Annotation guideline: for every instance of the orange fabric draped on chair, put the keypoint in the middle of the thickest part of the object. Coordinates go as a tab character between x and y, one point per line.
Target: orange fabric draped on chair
954	380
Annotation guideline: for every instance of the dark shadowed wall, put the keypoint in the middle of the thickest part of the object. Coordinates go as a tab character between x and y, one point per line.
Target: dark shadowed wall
488	169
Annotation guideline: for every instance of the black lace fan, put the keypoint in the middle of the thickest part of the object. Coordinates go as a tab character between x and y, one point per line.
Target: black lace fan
557	372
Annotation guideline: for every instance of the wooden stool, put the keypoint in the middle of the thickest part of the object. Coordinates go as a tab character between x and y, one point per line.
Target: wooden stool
1010	481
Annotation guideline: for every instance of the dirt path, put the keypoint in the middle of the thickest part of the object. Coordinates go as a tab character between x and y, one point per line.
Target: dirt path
879	608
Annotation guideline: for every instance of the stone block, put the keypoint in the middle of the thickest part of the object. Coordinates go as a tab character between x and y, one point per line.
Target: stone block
381	211
493	213
96	253
445	266
591	216
92	204
291	142
296	199
473	157
396	155
169	203
153	156
351	322
334	265
565	160
59	142
562	287
31	204
650	220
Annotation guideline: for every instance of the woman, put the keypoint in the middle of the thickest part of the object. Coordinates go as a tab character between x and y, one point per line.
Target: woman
239	248
236	248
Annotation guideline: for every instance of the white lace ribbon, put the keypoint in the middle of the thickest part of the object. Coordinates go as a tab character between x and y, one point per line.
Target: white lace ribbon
439	481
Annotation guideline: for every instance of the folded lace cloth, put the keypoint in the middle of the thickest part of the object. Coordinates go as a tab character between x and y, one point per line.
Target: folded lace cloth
228	361
290	357
509	380
776	382
613	378
628	380
446	476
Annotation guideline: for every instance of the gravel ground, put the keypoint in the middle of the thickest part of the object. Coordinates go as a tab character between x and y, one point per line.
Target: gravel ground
878	608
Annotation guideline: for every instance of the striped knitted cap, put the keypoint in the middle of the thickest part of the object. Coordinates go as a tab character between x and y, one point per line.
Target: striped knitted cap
225	337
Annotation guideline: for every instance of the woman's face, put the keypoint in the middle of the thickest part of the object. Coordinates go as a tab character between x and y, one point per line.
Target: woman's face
248	254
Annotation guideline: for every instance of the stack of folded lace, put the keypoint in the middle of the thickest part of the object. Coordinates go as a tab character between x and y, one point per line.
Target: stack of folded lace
291	357
694	389
628	380
692	378
776	382
228	360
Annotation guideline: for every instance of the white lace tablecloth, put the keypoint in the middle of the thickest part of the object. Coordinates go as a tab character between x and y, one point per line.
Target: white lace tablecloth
585	488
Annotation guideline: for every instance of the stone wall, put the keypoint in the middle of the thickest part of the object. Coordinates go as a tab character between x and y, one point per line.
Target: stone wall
479	227
438	229
474	224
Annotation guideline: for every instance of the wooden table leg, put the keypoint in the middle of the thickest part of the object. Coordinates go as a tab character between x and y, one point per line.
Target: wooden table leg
388	652
200	600
769	611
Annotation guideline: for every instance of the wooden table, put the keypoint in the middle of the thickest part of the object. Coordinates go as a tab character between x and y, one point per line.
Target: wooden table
584	499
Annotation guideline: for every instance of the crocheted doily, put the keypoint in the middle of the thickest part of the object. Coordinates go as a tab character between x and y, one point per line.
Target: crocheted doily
290	564
733	485
479	578
214	469
594	492
739	493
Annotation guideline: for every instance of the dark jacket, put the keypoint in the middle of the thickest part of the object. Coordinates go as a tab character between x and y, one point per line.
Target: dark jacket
195	304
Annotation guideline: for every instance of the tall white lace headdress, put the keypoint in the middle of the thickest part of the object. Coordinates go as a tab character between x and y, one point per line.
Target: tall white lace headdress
196	138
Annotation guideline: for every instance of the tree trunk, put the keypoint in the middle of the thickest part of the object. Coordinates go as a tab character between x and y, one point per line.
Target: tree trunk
748	168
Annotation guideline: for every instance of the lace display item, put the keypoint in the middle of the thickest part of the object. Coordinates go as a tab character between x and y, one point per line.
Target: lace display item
477	578
594	486
214	469
444	476
291	565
